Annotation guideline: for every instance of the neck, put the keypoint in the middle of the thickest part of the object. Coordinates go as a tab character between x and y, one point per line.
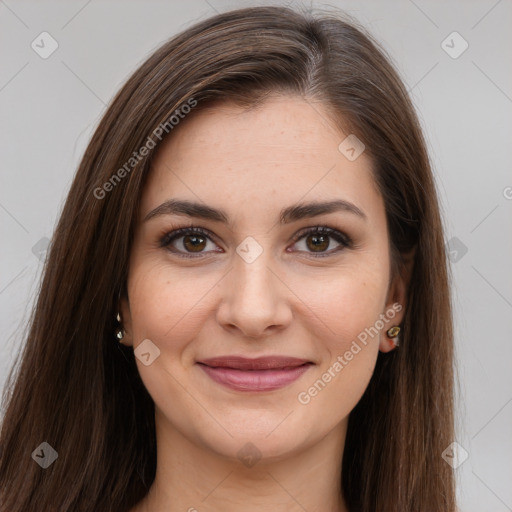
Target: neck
193	478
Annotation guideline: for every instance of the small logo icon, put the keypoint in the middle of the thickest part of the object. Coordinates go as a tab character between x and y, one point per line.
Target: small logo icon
351	147
44	45
146	352
507	192
455	455
456	249
454	45
249	455
44	455
40	248
249	250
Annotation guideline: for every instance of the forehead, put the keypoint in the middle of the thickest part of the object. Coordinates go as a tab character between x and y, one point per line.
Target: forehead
283	150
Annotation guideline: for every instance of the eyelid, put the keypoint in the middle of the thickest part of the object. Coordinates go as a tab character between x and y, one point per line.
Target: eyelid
323	230
173	233
166	240
344	241
340	237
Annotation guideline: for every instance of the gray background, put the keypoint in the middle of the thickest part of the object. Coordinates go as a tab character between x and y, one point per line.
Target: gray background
49	108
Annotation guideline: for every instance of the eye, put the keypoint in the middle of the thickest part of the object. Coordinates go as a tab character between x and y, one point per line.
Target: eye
321	241
189	242
194	242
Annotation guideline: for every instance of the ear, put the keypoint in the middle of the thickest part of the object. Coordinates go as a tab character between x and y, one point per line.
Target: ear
396	298
126	321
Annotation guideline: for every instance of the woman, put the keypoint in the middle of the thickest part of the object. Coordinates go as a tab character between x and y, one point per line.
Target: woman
246	299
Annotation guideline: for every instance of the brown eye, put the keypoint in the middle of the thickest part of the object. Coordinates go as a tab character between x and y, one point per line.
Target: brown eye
321	241
317	243
189	242
194	243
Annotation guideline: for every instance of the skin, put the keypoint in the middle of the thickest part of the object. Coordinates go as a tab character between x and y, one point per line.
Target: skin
288	301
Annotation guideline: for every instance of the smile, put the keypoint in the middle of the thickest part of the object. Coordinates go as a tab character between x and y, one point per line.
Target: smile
261	374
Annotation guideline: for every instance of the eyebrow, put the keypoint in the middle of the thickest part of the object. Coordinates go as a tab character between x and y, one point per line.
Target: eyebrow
288	215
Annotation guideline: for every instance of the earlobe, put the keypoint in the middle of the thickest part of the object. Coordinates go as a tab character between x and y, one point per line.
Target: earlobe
396	302
124	330
391	340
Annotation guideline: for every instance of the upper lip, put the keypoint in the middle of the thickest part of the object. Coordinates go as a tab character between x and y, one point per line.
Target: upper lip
259	363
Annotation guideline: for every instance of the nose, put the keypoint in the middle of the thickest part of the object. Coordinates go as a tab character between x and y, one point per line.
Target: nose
255	300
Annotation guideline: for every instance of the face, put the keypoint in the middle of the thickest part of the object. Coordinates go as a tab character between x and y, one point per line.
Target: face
258	319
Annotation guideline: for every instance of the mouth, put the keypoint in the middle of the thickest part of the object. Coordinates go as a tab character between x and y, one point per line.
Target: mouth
261	374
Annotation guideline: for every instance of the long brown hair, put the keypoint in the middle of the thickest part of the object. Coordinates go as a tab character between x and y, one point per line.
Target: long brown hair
77	389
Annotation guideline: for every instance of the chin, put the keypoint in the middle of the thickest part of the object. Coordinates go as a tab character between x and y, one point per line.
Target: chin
267	435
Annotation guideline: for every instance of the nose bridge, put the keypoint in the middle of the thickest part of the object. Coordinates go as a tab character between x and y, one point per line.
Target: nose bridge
253	299
253	281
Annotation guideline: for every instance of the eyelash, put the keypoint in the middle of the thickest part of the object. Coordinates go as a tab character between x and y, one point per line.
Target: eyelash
344	240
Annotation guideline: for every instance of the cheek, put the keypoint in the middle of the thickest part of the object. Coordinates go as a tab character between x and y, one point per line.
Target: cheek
346	312
341	304
168	307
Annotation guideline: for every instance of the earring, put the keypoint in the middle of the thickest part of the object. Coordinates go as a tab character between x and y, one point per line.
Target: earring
120	330
393	332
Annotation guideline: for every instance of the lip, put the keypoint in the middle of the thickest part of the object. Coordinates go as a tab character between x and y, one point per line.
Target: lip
260	374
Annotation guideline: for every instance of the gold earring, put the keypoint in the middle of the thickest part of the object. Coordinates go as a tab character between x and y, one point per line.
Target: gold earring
393	333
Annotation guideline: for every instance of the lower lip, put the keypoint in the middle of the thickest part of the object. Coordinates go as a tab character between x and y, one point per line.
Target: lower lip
254	380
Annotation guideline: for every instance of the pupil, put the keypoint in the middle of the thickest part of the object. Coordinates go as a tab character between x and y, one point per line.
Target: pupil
319	242
194	243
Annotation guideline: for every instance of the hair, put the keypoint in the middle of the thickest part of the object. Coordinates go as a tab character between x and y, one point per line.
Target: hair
79	390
